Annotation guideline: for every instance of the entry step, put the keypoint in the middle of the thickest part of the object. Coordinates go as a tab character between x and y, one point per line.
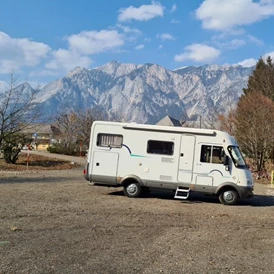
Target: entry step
182	193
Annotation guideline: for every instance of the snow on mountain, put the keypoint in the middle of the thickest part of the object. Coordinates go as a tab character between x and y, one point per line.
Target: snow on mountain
146	93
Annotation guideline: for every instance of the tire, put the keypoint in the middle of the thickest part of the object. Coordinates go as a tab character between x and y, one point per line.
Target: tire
229	197
132	190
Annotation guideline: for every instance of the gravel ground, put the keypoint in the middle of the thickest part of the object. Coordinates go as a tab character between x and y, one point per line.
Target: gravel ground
54	222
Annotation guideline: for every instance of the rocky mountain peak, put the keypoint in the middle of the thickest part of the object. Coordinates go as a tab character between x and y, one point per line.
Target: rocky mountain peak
147	93
118	69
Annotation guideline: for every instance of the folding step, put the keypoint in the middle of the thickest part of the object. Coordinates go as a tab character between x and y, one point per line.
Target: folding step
182	193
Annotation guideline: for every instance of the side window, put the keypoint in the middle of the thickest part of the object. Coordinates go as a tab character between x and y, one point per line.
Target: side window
109	140
212	154
206	154
218	155
160	147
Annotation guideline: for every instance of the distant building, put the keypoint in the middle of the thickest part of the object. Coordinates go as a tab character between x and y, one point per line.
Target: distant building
43	135
169	121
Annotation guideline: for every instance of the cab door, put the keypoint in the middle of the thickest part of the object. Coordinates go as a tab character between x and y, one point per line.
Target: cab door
209	167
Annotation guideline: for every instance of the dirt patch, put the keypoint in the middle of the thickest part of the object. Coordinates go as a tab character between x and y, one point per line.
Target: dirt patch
54	222
36	162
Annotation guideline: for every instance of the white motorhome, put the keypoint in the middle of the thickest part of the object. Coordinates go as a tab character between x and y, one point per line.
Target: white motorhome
139	157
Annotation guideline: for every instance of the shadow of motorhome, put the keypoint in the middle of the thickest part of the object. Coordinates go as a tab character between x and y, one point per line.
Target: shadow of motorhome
167	195
258	201
195	198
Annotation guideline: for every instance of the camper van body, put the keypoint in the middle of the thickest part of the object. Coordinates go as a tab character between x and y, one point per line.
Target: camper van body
139	157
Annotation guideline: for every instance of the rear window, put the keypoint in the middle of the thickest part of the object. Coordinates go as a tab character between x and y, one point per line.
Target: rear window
109	140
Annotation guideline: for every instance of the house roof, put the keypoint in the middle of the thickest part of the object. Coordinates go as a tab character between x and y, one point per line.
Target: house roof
169	121
41	129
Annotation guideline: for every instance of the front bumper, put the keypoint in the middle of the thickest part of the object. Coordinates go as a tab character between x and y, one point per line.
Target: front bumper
245	192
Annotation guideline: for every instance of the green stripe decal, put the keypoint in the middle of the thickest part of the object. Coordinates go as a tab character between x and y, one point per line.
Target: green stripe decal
136	155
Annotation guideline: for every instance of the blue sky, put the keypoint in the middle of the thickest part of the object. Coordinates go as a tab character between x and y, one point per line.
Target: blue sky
42	40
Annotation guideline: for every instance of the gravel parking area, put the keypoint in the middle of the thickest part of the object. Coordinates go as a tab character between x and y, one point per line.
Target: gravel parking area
54	222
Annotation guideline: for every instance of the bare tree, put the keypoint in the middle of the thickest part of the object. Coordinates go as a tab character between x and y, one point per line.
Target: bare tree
254	129
227	122
17	110
84	123
75	127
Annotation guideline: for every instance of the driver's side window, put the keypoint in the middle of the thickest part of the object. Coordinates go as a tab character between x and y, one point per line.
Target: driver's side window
212	154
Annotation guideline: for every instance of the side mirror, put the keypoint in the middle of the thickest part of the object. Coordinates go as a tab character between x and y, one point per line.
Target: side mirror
226	160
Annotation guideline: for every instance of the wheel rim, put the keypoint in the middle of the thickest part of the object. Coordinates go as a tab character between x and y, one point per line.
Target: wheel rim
229	196
132	189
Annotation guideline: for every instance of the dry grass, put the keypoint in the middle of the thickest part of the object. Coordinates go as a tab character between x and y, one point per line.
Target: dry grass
36	162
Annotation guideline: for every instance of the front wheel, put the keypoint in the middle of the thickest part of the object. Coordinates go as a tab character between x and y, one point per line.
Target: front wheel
133	189
229	197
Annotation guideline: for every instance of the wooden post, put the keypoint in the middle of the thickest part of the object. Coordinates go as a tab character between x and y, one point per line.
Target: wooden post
81	144
28	159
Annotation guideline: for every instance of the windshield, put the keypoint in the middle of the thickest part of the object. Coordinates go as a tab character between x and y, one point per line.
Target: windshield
237	157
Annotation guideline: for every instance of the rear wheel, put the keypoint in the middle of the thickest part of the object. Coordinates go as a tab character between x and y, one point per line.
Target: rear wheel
133	189
229	197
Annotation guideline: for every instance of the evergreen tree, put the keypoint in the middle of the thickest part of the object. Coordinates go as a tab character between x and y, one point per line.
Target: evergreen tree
262	79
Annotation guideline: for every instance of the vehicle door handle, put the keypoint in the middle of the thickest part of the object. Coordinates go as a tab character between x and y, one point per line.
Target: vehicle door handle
182	154
97	164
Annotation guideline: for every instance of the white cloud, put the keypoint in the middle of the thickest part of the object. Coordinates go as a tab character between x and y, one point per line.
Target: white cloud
67	60
165	36
233	44
198	53
129	34
236	43
254	40
91	42
174	21
227	14
143	13
45	72
173	8
139	47
81	47
224	41
228	34
127	29
16	53
271	54
248	62
147	39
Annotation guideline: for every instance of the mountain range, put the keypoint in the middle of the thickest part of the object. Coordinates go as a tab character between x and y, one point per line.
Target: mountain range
145	93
